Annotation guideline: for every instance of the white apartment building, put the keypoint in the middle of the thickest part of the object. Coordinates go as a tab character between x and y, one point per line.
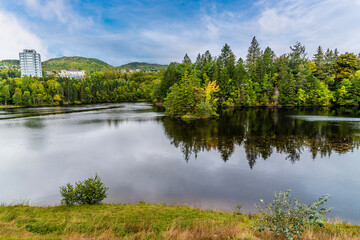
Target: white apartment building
30	63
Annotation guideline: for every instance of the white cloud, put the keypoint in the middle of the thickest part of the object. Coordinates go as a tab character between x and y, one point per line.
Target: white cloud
15	37
279	24
58	10
329	23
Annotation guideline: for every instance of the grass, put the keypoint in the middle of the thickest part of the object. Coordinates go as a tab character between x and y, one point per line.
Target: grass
142	221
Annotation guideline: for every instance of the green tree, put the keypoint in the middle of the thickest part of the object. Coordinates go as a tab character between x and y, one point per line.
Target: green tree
26	98
344	67
319	60
186	60
5	94
181	99
254	54
297	57
17	97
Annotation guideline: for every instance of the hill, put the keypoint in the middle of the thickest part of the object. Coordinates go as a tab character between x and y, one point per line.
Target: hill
10	62
143	66
81	63
88	64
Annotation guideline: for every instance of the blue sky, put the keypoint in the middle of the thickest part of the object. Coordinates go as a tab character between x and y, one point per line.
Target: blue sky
162	31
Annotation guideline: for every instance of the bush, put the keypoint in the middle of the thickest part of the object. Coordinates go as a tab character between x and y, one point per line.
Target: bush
287	217
90	191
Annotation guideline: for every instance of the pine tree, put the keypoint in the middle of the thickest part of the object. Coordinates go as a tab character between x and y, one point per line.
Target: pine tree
199	62
227	59
186	60
319	60
297	57
207	58
253	55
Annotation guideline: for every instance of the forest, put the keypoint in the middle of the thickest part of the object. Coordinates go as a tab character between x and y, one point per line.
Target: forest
262	79
99	87
202	88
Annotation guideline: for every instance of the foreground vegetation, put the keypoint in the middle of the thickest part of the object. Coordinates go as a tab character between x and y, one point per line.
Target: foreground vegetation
142	221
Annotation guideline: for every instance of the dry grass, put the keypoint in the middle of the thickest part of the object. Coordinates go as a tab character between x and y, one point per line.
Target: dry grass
326	233
143	221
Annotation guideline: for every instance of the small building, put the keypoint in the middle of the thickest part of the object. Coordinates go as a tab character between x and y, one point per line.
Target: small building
49	73
73	73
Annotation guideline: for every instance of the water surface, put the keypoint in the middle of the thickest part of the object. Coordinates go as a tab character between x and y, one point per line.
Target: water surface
212	164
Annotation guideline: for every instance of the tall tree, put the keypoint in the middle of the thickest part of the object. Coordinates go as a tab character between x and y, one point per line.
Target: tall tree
297	57
186	60
319	60
267	62
253	55
227	59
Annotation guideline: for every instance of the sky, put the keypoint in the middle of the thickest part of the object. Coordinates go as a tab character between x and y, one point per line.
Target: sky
122	31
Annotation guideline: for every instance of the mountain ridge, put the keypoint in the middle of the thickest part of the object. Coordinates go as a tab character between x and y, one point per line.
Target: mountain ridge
88	64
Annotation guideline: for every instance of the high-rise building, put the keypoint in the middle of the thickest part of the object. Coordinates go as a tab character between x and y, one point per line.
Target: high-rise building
30	63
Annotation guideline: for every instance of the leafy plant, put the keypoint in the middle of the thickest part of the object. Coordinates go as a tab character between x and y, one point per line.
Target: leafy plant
288	217
238	210
89	191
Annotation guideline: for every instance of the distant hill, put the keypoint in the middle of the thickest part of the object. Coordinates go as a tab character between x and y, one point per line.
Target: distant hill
10	62
88	64
81	63
143	66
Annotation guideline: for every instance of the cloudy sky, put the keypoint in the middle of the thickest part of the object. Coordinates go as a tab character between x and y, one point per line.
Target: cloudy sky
122	31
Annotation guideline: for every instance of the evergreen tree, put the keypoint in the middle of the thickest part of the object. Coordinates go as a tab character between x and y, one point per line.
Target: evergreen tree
181	98
199	62
253	55
186	60
319	60
297	57
227	59
267	63
286	83
207	58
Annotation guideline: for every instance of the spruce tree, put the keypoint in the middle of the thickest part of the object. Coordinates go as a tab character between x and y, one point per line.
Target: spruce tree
297	57
253	55
319	60
186	60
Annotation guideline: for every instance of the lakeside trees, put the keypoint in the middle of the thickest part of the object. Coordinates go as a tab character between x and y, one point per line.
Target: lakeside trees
112	86
200	88
263	79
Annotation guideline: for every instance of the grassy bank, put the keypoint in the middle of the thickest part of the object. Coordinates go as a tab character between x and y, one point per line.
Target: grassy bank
142	221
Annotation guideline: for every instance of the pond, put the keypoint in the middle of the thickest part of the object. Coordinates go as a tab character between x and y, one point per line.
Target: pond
141	155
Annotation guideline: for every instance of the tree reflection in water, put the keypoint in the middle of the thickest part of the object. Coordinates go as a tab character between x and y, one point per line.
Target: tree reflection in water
264	131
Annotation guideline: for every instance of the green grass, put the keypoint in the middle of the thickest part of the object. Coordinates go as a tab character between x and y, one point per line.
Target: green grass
142	221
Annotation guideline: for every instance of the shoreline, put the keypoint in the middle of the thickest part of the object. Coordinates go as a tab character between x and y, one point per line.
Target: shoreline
142	221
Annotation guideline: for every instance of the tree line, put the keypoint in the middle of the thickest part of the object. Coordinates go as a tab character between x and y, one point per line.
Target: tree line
99	87
262	79
201	88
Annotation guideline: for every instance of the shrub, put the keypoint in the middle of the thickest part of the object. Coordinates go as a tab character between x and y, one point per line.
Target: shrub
288	217
90	191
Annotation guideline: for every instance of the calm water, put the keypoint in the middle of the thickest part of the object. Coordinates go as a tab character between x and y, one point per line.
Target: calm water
213	164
